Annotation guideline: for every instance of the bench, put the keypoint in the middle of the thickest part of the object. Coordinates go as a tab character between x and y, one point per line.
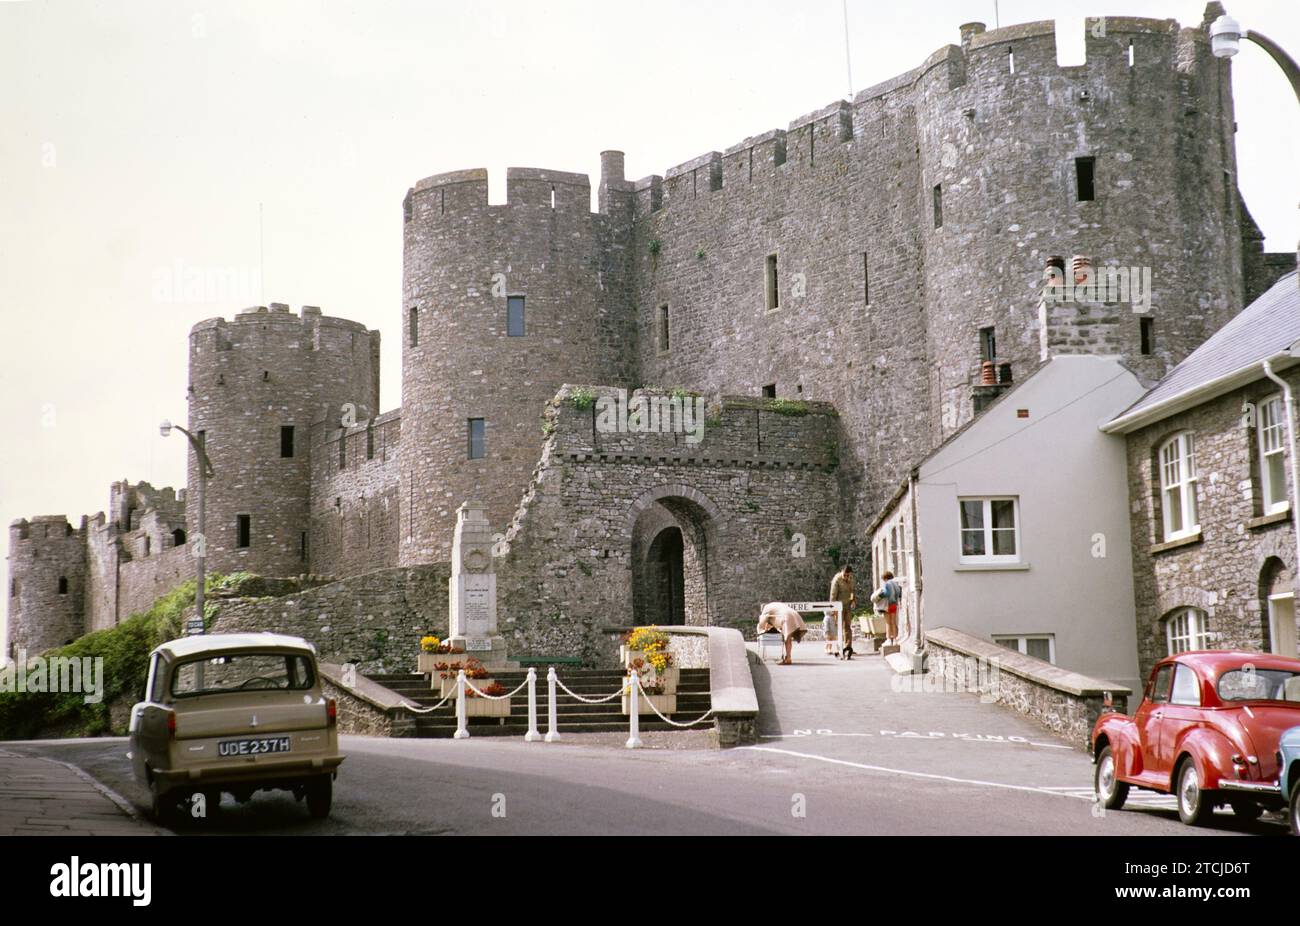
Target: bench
543	661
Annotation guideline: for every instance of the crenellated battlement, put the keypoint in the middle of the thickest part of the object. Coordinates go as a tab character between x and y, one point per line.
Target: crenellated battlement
1016	51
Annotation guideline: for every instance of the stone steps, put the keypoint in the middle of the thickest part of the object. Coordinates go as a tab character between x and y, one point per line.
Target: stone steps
572	715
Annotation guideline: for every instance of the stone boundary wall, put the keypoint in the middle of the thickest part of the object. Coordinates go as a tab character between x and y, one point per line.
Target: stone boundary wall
1064	702
366	708
373	621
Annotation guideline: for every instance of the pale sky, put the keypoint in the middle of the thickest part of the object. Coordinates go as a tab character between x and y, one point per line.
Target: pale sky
138	139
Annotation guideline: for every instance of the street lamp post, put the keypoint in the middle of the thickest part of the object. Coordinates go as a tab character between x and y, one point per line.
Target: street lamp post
1225	41
200	551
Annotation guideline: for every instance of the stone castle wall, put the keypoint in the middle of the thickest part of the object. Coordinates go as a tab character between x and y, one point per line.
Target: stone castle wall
463	259
374	620
739	496
881	306
47	584
249	377
878	313
355	496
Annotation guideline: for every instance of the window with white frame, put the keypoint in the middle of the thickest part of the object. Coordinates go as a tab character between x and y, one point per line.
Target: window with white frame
990	531
1177	462
1039	645
898	548
1272	461
1187	629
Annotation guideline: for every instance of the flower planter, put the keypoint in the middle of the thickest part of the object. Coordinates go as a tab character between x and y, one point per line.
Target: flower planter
667	703
670	677
447	686
424	662
486	707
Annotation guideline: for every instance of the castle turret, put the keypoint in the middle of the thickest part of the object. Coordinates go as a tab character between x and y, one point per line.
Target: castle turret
1123	162
256	383
503	305
47	584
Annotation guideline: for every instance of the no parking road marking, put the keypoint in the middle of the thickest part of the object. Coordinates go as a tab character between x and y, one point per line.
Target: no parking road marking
911	734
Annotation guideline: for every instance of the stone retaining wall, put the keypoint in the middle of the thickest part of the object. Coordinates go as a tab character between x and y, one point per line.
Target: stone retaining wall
1064	702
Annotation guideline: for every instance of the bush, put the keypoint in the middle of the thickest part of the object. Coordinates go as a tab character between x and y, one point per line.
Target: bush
125	650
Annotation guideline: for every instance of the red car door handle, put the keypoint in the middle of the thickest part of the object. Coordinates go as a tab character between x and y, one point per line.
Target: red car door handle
1158	714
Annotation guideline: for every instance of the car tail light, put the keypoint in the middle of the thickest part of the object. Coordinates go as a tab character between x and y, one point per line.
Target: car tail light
332	712
171	726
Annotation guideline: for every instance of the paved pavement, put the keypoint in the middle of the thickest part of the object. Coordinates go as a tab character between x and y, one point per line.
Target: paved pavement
842	752
45	797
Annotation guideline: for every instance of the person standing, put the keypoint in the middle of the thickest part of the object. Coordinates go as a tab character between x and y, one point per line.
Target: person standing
889	595
842	591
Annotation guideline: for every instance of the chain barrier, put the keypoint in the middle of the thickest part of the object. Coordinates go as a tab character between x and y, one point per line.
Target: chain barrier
621	691
661	716
474	688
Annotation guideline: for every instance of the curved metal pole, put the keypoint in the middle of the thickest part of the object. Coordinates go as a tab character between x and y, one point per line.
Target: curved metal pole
1284	61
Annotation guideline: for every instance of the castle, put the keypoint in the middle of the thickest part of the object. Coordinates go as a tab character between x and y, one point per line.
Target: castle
840	291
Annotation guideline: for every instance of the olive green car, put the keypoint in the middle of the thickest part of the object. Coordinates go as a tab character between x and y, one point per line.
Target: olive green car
235	713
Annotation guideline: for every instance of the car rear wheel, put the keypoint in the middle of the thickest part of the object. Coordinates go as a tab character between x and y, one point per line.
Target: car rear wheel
1295	809
1194	805
320	794
1111	792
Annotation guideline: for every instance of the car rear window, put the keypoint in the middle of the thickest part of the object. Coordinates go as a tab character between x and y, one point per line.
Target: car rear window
1251	684
243	672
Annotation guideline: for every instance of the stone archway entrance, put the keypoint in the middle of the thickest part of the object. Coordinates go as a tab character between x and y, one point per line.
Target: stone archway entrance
674	551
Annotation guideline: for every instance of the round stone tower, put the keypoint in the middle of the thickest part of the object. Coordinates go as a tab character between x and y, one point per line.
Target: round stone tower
1125	161
256	384
47	584
503	304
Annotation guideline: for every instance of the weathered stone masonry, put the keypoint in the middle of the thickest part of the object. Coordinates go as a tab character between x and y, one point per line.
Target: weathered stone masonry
1229	568
900	225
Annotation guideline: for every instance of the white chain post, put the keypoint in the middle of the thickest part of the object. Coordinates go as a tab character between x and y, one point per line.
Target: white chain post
462	728
552	733
634	728
532	735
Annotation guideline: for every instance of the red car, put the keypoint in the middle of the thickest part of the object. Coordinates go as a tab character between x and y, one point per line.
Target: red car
1207	731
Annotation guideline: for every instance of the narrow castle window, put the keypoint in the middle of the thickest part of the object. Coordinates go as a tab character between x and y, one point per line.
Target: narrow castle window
988	344
515	316
552	195
769	391
178	537
1011	61
866	280
303	548
63	585
244	531
1146	332
477	438
663	329
414	327
343	451
938	205
1130	52
771	287
1083	171
370	443
148	545
13	588
286	440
